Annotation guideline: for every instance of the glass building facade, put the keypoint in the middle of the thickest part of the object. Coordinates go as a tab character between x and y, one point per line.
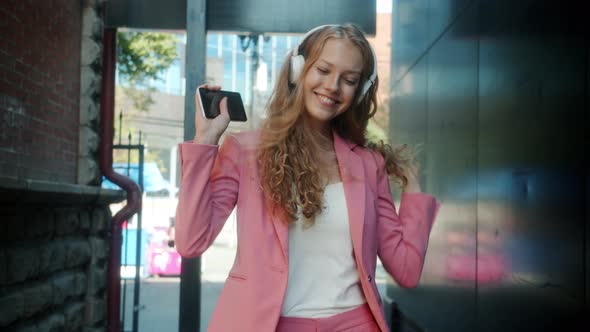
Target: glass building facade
231	63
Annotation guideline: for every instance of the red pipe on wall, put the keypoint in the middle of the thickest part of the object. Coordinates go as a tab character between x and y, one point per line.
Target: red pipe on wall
107	130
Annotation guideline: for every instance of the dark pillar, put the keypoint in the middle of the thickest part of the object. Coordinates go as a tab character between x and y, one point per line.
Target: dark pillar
190	278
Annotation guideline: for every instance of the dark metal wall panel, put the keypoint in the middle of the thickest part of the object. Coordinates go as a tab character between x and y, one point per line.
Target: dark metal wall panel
408	124
444	122
587	194
417	25
288	16
498	96
450	172
147	14
279	16
443	15
409	116
410	35
531	92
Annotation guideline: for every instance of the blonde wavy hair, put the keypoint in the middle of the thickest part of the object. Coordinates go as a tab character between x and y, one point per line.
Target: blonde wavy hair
289	149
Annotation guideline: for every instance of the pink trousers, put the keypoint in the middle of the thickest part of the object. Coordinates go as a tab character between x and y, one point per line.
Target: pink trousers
356	320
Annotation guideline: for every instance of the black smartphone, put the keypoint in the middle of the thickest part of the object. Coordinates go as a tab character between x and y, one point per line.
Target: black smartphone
210	100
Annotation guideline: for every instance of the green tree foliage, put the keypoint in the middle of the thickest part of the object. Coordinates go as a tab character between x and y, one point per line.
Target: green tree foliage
141	57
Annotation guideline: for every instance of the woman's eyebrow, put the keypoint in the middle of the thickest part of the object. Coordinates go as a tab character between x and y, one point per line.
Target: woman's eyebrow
329	64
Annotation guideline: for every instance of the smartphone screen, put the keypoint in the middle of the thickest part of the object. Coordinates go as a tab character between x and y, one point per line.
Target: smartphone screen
210	100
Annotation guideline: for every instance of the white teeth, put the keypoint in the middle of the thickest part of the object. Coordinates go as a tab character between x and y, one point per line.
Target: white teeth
326	100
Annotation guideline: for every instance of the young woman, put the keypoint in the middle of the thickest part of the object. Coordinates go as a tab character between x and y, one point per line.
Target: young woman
314	208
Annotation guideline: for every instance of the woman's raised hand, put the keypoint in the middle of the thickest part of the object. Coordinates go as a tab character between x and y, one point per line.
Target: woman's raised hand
209	131
411	172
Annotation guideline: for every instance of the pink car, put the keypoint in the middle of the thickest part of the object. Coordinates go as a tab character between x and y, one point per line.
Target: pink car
163	259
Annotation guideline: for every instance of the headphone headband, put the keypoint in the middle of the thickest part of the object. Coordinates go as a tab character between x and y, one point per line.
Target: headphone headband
298	61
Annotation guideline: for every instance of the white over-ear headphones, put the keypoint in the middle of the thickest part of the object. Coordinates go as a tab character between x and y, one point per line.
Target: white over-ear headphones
297	63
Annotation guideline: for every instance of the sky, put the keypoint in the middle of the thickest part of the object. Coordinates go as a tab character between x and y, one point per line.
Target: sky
384	6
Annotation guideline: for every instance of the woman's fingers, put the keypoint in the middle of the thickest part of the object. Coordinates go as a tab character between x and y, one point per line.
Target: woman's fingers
223	110
198	96
222	120
200	119
411	173
210	130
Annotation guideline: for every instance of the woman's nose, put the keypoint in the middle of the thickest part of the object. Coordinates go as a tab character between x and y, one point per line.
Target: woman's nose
332	83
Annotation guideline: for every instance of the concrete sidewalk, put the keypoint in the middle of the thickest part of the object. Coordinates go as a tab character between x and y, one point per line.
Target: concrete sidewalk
159	296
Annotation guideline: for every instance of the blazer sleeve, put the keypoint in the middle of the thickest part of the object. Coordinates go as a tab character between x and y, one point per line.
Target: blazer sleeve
209	182
403	237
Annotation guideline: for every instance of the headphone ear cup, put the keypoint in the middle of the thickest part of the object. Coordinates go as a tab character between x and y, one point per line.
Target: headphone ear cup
365	89
367	86
297	63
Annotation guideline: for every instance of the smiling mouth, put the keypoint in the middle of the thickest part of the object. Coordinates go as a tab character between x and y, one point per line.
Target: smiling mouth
325	100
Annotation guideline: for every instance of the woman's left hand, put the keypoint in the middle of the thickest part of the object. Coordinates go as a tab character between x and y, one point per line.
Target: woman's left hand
412	175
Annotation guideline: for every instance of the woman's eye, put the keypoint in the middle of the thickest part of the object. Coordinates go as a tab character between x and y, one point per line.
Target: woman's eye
351	82
322	70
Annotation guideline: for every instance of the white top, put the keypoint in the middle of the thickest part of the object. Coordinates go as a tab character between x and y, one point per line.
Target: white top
323	278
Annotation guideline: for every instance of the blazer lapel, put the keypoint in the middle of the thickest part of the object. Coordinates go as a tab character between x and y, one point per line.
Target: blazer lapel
353	178
282	231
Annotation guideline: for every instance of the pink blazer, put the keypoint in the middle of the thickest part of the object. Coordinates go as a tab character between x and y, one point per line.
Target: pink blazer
214	180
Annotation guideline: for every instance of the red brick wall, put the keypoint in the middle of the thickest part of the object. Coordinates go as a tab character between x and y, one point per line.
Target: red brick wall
39	88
